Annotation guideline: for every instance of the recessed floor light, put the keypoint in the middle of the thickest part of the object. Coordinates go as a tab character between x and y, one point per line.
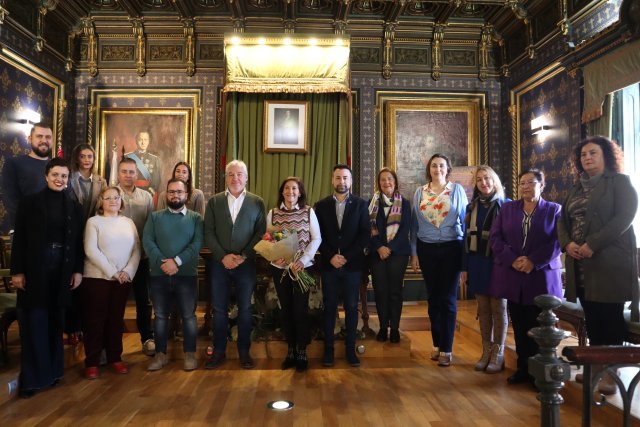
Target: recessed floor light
280	405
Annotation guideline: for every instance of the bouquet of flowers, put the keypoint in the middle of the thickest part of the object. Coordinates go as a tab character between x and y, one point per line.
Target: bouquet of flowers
284	245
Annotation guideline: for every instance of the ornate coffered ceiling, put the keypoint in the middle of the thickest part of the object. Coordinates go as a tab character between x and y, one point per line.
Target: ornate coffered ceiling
481	37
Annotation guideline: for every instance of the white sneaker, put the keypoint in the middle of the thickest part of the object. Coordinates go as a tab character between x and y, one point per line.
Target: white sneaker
149	347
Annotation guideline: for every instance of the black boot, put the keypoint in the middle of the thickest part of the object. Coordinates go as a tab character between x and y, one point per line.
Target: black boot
301	360
290	360
352	358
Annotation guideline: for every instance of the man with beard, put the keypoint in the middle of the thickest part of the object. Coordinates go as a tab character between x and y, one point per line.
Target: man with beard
345	229
172	239
24	175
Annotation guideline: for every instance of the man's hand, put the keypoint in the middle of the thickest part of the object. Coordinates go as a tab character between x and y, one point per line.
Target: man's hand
231	261
169	266
338	261
415	264
384	252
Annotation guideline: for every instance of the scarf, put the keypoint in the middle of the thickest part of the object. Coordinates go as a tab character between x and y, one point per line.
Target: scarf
393	218
472	227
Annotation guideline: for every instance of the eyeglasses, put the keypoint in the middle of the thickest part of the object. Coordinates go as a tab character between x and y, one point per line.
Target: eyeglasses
529	183
111	198
178	192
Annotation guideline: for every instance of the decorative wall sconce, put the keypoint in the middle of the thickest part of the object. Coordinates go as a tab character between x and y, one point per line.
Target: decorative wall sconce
540	129
30	119
540	126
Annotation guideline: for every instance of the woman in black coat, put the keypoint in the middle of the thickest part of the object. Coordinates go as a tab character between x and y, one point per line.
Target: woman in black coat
46	265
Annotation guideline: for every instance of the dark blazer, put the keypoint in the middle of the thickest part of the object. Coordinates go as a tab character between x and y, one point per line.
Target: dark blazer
97	184
400	245
351	239
609	232
542	249
223	237
29	250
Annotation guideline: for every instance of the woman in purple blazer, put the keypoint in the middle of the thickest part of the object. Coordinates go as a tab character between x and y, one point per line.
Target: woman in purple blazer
527	262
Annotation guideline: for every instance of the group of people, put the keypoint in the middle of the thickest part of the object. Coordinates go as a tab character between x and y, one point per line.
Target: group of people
507	251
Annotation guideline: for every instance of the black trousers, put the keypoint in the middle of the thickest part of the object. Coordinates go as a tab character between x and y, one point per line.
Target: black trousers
294	309
387	277
140	285
440	264
523	318
605	321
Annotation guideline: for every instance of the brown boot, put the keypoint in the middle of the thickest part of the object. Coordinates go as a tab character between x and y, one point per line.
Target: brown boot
496	363
482	363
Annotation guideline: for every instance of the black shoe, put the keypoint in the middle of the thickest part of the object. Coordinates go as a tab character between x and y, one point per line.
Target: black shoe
302	364
246	361
519	377
352	359
327	359
288	363
28	393
382	335
215	360
394	337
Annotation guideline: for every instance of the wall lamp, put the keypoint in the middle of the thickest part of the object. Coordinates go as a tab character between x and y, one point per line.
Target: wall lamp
30	118
540	129
540	125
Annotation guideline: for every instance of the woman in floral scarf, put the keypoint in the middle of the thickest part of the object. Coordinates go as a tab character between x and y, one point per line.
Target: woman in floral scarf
389	251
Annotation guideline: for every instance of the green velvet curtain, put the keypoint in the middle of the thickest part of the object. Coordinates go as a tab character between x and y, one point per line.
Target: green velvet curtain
327	132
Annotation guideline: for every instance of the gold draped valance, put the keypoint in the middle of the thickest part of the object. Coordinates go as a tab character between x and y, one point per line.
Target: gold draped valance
286	64
607	74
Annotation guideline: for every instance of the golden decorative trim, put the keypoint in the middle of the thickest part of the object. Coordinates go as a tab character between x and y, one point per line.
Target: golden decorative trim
91	110
515	150
484	114
62	107
292	87
138	31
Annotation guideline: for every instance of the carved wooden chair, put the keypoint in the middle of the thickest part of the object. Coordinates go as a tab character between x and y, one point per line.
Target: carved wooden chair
8	312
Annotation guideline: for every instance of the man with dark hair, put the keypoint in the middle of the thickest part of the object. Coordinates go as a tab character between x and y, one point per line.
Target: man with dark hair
137	206
23	175
147	164
172	240
345	229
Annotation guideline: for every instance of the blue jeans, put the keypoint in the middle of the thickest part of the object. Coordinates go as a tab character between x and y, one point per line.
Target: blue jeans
244	279
184	291
334	281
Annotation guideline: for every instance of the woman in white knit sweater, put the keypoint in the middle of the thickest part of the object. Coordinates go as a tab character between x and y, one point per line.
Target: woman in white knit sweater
112	250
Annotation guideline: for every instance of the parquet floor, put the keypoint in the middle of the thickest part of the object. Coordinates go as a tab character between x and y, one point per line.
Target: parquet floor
384	391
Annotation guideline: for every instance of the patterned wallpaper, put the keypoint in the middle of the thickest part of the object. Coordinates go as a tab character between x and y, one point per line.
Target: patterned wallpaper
19	93
208	81
558	100
369	84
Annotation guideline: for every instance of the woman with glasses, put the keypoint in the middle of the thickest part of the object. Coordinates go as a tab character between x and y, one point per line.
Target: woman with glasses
600	243
195	197
112	250
526	256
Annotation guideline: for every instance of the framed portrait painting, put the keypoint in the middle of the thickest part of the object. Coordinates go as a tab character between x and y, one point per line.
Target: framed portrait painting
285	126
418	129
156	139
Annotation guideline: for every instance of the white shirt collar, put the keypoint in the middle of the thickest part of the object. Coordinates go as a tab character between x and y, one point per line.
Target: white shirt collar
284	207
182	211
228	193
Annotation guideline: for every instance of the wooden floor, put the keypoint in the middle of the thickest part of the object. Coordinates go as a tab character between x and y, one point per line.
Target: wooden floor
404	390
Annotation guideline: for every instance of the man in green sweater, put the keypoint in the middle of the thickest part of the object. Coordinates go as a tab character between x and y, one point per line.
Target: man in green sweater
172	239
234	223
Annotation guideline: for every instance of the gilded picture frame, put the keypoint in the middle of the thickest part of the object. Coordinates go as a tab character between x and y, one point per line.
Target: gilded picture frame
170	119
285	126
417	129
168	141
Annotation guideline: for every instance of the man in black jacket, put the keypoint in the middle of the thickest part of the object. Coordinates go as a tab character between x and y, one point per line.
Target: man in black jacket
345	229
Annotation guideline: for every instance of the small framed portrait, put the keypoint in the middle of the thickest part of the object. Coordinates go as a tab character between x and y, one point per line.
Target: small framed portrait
285	126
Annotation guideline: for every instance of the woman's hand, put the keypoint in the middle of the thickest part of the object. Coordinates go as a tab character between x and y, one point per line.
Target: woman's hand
76	279
297	266
523	265
384	252
280	262
415	265
573	250
463	277
18	281
585	251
